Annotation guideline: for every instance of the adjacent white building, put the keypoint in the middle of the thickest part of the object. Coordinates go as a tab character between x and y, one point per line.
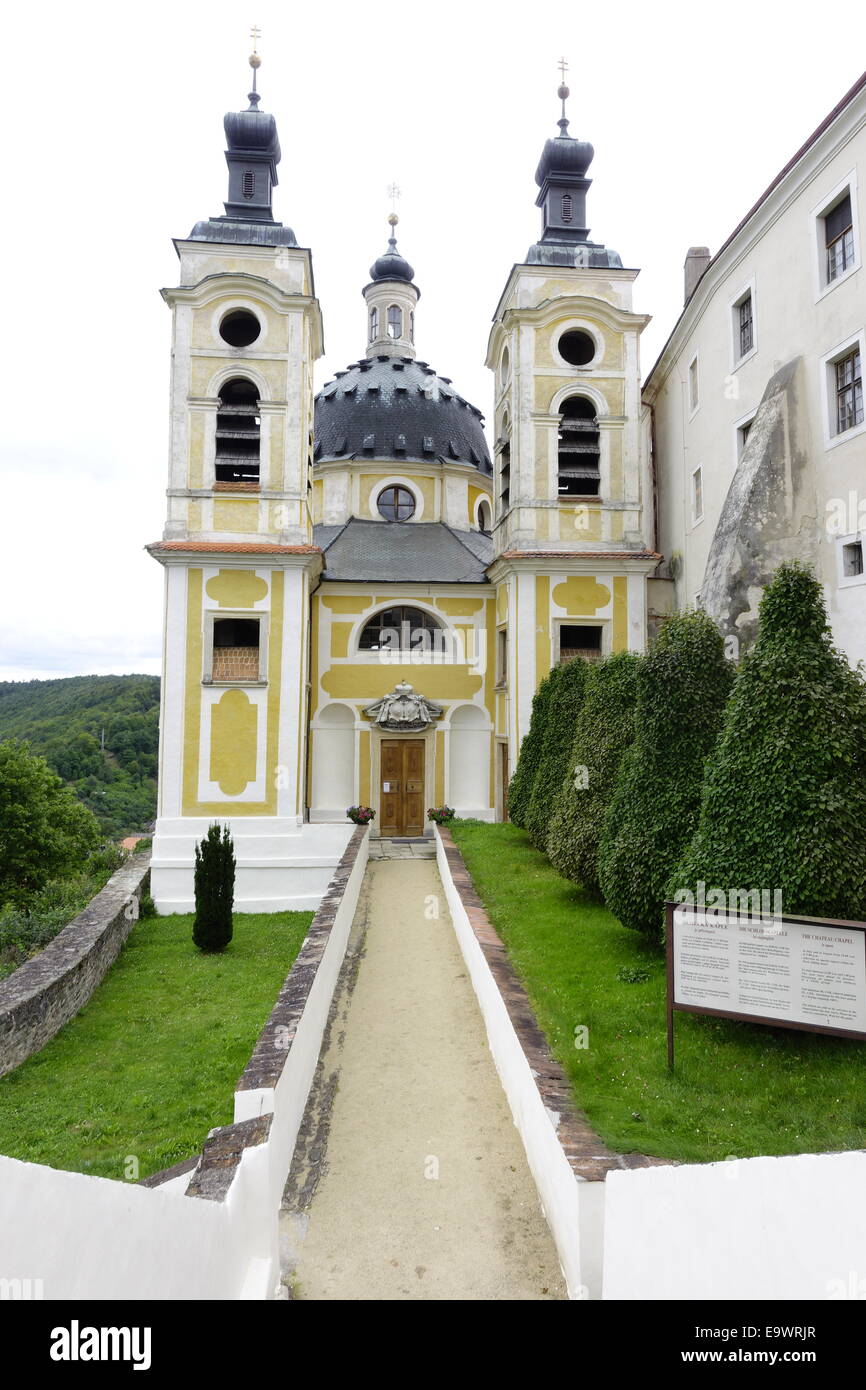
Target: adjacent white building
756	401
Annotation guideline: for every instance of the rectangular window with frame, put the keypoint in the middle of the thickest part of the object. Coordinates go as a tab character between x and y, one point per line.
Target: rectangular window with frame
579	642
694	396
236	650
745	326
697	494
852	559
839	239
501	656
848	378
743	432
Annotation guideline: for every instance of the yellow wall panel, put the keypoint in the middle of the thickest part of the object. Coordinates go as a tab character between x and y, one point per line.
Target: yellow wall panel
581	594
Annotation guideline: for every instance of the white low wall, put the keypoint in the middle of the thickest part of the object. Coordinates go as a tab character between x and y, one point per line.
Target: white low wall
91	1238
753	1228
567	1202
282	866
288	1099
88	1237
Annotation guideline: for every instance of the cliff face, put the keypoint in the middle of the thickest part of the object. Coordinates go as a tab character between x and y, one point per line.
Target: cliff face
770	513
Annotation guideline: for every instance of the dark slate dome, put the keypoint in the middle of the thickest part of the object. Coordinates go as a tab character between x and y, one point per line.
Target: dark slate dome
397	408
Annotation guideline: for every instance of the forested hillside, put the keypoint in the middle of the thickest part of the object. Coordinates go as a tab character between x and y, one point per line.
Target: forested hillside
100	734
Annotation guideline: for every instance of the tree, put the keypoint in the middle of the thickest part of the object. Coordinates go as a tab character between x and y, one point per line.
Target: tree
784	805
520	786
604	731
45	832
214	890
567	685
682	685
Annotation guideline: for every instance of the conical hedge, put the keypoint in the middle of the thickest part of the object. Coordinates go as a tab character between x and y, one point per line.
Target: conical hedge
682	685
567	684
605	730
520	786
214	890
785	801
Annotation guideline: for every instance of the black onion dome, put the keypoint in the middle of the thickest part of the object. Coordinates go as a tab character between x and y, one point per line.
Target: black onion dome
397	408
252	130
391	266
564	156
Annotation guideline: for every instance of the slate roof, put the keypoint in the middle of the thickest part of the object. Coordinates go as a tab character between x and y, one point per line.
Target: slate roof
394	552
398	408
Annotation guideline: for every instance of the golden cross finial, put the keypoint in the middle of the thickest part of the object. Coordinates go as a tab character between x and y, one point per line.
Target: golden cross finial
255	35
393	194
562	93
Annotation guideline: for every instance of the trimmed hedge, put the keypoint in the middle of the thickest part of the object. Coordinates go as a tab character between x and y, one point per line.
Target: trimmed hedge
523	777
682	684
567	685
605	730
785	799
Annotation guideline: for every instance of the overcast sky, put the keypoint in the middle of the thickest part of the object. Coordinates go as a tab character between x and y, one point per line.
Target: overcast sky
114	145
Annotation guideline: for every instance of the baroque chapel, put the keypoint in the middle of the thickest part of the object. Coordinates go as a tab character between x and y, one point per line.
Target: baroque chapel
361	597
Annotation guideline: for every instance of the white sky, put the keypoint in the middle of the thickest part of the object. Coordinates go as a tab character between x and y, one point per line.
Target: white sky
114	145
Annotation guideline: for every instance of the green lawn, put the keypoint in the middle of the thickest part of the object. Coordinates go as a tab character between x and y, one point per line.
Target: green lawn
738	1089
150	1064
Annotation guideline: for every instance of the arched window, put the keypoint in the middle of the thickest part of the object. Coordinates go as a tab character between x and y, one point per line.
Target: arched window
411	325
238	434
395	321
400	629
504	367
396	503
374	324
578	449
485	519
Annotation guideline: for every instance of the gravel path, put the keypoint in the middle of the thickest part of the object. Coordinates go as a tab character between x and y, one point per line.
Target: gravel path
411	1182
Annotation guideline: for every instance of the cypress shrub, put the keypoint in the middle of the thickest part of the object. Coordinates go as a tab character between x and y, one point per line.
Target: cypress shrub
605	730
214	890
682	685
520	786
567	684
784	805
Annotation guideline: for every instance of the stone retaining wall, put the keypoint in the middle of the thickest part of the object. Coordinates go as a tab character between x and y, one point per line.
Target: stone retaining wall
48	990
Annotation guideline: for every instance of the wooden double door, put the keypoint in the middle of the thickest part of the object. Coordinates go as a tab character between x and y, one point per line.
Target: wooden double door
401	791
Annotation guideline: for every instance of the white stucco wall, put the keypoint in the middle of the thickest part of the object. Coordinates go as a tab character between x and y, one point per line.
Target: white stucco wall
775	256
757	1228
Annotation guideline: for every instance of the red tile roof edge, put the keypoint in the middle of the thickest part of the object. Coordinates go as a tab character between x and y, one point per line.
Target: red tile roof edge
577	555
231	547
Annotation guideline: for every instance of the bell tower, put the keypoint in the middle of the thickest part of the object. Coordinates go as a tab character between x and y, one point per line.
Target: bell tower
573	500
237	546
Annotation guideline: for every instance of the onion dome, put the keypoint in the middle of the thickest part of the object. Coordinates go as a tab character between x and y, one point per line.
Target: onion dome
391	265
252	155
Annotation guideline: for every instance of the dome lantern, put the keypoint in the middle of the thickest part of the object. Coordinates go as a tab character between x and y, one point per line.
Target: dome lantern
391	298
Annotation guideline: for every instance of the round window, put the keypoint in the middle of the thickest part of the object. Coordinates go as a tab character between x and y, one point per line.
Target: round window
396	503
576	347
240	328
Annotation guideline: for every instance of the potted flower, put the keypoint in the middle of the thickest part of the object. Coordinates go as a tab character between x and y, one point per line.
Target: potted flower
361	815
440	814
